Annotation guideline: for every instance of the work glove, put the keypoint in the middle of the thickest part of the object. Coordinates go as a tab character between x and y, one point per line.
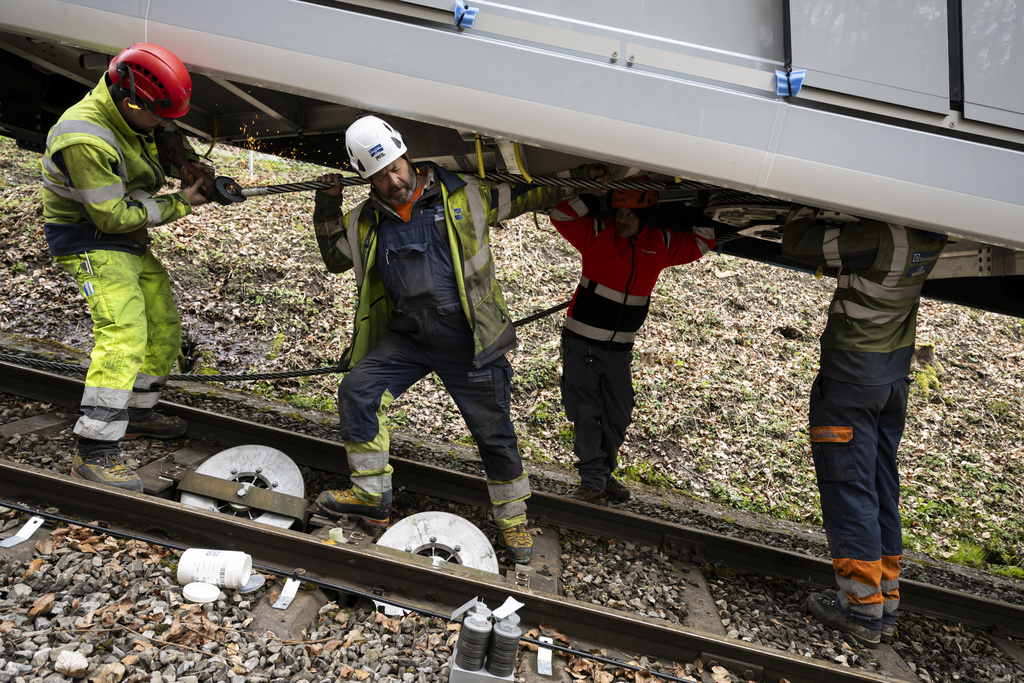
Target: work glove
171	152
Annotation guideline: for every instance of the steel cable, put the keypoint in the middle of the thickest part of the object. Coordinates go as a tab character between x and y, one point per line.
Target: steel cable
577	183
76	370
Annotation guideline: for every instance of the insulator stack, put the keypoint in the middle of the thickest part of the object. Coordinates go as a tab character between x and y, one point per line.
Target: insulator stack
501	656
474	638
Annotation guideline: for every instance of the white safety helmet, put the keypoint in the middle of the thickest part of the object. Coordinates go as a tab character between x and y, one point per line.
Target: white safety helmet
372	144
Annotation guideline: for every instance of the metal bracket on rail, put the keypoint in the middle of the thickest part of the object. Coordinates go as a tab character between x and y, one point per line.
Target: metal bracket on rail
688	549
251	496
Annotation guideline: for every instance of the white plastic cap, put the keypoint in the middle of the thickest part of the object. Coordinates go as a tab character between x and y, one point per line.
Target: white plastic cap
200	592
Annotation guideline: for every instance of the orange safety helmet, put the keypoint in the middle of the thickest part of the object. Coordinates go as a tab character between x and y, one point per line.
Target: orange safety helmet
634	199
154	75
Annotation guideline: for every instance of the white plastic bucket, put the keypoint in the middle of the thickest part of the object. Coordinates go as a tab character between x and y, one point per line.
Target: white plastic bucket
224	568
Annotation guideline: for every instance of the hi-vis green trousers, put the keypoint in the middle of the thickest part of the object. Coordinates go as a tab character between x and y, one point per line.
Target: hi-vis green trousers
137	334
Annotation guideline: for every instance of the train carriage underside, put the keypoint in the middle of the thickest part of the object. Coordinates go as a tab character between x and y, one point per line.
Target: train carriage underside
908	111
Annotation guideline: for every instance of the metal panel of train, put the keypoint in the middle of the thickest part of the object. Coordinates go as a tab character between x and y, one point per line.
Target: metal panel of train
909	111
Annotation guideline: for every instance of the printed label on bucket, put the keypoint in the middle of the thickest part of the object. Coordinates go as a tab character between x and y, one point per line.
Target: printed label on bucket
223	568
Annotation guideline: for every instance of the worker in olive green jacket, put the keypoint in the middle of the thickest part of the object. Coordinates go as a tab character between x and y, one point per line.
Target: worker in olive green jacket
858	406
428	301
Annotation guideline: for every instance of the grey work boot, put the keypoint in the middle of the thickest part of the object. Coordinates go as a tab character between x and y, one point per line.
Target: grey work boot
338	503
148	422
825	608
888	628
100	461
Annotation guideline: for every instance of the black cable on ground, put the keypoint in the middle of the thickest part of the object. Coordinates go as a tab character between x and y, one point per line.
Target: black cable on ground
77	370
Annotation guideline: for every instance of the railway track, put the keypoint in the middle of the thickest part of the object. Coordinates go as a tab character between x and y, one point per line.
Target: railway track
365	569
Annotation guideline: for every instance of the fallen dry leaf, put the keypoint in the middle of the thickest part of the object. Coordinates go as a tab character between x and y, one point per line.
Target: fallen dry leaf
42	605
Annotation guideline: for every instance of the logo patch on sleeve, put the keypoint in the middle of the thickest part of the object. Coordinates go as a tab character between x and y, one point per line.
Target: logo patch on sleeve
831	434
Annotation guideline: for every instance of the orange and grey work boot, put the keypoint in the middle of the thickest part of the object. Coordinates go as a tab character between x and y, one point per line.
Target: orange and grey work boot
518	543
338	503
153	424
616	490
100	461
825	608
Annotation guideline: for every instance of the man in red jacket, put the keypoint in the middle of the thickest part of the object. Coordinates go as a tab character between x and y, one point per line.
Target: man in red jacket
622	259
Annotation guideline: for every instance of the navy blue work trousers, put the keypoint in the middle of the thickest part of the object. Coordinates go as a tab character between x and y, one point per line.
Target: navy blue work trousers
855	434
439	340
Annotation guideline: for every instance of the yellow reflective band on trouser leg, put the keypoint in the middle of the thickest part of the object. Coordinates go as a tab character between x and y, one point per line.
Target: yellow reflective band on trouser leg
509	500
368	460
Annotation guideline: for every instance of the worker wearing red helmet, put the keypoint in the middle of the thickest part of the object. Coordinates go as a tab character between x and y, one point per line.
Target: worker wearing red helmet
101	176
622	260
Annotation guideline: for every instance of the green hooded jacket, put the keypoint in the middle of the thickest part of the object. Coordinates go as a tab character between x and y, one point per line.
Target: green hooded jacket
99	178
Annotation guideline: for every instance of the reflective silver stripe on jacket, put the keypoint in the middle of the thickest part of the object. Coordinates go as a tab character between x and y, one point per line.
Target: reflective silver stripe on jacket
77	126
830	247
482	258
597	333
900	250
609	293
148	203
708	234
887	290
577	205
875	290
504	201
354	250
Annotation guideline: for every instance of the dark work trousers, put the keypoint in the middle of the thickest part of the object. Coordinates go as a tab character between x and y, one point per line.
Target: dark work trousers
855	433
597	394
440	341
429	332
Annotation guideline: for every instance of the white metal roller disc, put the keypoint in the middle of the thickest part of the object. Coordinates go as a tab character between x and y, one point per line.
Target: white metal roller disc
442	536
251	466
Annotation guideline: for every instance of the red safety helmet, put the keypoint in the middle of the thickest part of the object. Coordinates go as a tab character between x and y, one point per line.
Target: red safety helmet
154	78
634	199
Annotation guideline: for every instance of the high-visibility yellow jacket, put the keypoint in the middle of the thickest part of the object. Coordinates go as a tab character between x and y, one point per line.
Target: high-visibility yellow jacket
471	206
99	178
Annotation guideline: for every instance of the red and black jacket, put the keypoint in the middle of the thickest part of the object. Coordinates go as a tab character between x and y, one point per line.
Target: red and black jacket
619	274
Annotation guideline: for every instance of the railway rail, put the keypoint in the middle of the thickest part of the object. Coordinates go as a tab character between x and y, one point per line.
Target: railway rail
356	568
